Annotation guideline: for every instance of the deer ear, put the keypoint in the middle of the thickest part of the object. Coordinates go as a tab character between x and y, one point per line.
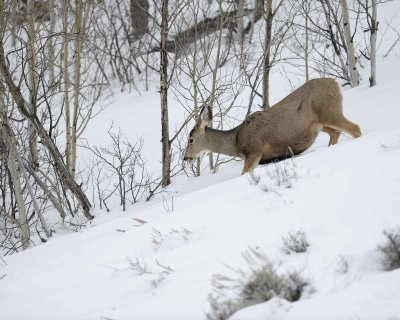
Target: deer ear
205	116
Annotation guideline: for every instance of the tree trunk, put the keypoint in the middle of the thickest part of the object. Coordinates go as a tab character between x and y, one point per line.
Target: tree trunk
267	53
51	33
46	190
241	24
59	165
214	77
350	45
306	11
22	214
374	29
202	28
195	83
33	197
166	159
66	84
77	84
139	18
8	139
8	149
14	5
335	44
33	147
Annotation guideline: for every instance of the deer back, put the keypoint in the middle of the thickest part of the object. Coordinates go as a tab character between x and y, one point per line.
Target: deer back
293	122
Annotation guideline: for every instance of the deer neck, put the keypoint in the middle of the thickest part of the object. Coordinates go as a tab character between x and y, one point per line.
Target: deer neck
220	141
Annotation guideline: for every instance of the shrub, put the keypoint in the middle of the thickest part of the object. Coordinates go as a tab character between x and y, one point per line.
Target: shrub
390	249
342	266
258	284
295	242
275	176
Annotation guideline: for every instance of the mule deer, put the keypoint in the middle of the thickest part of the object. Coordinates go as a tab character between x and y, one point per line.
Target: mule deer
291	124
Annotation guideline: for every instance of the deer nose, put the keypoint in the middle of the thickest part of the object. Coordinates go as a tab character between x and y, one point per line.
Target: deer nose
185	158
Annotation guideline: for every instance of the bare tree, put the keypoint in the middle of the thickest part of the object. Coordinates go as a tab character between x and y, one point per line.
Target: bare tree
65	44
10	146
32	80
164	84
79	25
369	9
335	38
269	14
241	23
119	172
51	35
373	29
9	151
278	20
201	65
354	77
215	69
82	92
32	119
329	54
306	8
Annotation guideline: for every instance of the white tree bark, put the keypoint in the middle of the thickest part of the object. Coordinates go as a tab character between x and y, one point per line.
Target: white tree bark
77	84
66	83
22	215
354	78
51	33
327	11
56	203
214	78
195	78
11	152
33	197
46	140
11	159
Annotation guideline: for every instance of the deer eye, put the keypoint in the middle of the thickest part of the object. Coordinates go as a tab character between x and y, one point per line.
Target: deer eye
191	141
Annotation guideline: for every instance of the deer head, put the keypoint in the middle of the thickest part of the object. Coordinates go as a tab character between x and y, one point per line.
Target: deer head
196	145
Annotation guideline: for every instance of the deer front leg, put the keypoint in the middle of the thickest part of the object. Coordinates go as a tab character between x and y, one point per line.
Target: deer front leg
250	162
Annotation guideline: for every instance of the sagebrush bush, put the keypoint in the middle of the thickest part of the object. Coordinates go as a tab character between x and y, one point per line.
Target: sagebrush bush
342	265
295	242
275	176
390	249
258	284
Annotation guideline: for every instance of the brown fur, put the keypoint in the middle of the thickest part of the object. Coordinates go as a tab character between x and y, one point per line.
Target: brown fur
290	126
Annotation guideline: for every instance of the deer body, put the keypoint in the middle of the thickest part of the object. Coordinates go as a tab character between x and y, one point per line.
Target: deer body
291	125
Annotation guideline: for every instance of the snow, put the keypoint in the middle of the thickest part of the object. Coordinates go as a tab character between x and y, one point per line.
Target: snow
343	197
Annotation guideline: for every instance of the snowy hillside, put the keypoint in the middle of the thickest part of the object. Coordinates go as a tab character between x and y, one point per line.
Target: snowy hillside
157	260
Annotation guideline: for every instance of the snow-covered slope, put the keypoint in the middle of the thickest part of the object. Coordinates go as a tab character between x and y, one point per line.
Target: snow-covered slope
342	197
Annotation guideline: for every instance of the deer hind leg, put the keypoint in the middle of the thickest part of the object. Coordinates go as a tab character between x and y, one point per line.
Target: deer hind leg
340	123
333	135
251	162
